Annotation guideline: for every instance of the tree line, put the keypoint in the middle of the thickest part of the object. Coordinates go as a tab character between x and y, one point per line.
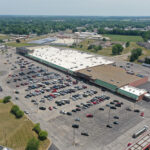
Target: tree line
145	34
47	24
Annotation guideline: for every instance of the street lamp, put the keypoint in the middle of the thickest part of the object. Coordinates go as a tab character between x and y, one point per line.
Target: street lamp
74	126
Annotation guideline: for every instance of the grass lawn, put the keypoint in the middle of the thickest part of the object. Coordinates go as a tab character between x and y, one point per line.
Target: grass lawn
14	44
3	36
15	133
124	38
108	51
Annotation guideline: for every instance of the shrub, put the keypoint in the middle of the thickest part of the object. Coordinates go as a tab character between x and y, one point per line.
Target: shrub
128	44
91	47
19	114
43	135
37	128
33	144
97	48
14	109
6	99
81	46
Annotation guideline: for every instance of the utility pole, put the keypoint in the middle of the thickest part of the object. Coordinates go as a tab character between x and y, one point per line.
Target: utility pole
74	137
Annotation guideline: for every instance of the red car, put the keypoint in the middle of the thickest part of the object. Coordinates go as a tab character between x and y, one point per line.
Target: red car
94	103
129	144
53	95
84	86
50	108
74	82
89	115
54	90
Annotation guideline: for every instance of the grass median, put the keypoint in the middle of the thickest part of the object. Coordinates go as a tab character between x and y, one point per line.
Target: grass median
15	133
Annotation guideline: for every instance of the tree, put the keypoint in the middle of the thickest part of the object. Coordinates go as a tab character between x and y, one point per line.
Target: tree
101	31
14	109
1	41
43	135
139	51
17	41
19	114
81	46
97	48
6	99
37	128
117	49
135	54
74	30
104	39
91	46
33	144
147	60
128	44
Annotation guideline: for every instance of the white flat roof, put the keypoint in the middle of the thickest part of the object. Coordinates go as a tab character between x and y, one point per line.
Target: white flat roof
70	59
133	90
67	41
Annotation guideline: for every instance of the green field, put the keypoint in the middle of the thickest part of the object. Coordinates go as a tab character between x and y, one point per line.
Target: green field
15	133
3	36
14	44
124	38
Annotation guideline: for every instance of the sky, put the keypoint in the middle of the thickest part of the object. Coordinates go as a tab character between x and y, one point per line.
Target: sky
76	7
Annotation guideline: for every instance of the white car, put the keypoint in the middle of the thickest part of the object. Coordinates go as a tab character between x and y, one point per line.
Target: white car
26	112
62	112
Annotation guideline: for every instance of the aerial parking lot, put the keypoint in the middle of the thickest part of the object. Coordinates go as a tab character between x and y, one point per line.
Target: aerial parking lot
59	102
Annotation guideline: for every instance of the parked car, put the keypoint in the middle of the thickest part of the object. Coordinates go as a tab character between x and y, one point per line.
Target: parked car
101	108
69	113
115	122
84	133
136	110
89	115
116	117
77	119
108	126
42	108
128	109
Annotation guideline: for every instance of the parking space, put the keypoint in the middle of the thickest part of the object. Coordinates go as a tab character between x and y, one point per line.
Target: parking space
57	101
133	68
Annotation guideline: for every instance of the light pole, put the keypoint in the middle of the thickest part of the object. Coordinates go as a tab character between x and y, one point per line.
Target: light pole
74	126
134	105
108	115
